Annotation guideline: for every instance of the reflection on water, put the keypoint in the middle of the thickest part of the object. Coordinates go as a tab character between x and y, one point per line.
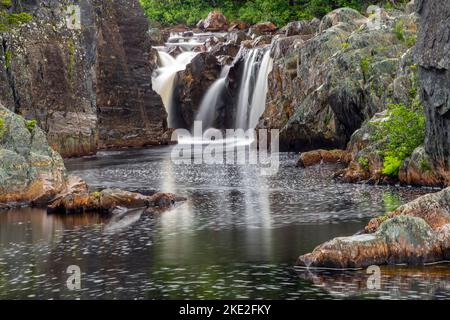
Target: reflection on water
238	236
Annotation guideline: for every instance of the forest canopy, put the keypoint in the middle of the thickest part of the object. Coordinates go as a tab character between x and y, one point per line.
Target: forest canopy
189	12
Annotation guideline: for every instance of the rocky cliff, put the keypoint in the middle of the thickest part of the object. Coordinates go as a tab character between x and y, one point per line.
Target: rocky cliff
82	69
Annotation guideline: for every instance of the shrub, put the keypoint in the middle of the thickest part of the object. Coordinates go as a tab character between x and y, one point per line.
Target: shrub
400	134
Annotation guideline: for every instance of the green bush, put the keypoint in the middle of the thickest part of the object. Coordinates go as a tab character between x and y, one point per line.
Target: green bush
10	19
400	134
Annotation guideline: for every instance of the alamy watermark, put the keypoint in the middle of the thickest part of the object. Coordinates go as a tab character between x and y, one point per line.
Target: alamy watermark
74	281
230	146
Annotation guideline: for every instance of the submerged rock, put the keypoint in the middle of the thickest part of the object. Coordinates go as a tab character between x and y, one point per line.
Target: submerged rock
416	233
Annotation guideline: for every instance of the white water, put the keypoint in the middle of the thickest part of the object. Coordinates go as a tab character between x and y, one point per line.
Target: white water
244	91
258	105
208	107
163	82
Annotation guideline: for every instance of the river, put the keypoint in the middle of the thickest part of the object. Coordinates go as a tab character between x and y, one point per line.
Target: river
237	237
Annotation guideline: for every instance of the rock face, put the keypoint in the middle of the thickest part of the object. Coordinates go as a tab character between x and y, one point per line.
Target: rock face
193	82
310	158
326	84
433	57
130	112
84	73
49	74
416	233
29	168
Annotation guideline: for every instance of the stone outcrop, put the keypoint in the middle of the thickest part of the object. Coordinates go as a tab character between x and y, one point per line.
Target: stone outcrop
433	57
326	84
47	72
193	82
107	200
130	112
215	21
84	73
416	233
30	169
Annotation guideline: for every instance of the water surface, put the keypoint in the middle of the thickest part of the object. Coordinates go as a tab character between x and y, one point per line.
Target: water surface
238	236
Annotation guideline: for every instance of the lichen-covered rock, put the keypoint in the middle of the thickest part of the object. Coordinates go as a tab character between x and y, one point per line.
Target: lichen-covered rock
49	74
84	73
401	240
322	89
29	168
416	233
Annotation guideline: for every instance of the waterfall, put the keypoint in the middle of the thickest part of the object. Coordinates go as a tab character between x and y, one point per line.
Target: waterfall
252	95
244	91
163	81
212	97
258	105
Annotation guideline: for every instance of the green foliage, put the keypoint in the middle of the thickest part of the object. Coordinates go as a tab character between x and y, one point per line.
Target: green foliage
401	34
400	134
280	12
8	59
31	124
365	64
71	64
364	162
2	127
10	19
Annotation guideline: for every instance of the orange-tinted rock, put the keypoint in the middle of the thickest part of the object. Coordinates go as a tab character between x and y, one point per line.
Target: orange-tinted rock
416	233
265	27
434	208
311	158
215	21
109	199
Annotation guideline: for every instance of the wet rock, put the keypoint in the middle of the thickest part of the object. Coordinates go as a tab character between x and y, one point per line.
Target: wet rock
237	37
262	41
403	239
311	158
29	168
193	82
158	37
225	49
416	233
215	21
106	201
175	51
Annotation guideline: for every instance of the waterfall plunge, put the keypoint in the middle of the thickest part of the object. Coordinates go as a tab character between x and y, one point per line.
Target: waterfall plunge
163	81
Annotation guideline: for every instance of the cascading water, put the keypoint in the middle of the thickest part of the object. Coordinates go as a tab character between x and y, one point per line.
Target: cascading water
258	104
252	96
245	89
163	81
211	100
